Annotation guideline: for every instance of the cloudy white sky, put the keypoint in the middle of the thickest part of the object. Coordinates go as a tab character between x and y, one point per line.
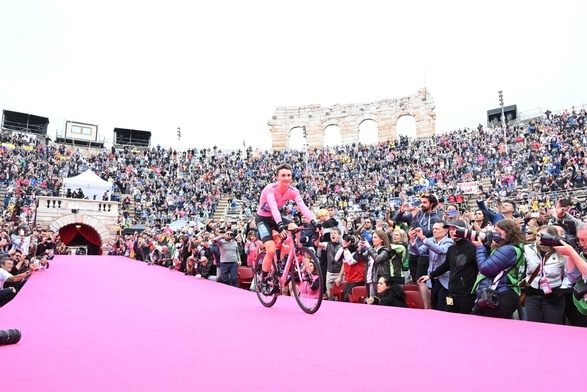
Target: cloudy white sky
218	69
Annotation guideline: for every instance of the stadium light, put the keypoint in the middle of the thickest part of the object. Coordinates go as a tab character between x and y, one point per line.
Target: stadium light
505	142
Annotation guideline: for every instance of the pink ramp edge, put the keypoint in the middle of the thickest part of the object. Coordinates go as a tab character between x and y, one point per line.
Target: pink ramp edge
97	323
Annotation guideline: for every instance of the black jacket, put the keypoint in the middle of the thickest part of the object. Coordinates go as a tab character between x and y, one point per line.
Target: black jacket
461	261
393	296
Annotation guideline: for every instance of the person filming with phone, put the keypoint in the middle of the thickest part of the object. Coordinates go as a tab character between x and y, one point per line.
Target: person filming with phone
423	217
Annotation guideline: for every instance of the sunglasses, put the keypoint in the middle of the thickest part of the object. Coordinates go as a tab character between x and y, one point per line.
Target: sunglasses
529	233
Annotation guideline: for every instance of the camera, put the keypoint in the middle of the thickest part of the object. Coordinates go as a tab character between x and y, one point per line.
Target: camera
550	240
471	234
555	240
348	238
489	299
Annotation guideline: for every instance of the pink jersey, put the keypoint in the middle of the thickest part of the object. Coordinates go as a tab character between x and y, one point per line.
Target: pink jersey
272	200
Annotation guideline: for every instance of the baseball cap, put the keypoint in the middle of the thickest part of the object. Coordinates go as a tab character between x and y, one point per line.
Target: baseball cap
459	224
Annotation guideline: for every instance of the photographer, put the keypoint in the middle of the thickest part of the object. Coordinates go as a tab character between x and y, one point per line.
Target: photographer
353	266
497	285
544	271
561	216
461	261
576	272
229	257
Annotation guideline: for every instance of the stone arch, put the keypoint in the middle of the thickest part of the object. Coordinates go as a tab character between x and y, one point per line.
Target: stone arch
296	138
364	132
333	131
101	229
405	117
349	116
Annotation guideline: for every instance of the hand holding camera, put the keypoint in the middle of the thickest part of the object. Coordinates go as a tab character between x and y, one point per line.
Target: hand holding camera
347	240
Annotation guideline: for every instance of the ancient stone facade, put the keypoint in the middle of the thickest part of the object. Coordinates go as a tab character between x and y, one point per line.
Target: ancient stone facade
349	117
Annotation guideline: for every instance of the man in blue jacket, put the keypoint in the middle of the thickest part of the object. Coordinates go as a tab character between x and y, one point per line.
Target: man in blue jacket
506	207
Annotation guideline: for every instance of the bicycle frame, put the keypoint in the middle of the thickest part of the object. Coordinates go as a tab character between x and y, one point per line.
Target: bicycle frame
300	274
292	242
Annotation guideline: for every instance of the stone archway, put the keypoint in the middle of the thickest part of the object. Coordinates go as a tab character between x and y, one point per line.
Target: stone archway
348	117
101	229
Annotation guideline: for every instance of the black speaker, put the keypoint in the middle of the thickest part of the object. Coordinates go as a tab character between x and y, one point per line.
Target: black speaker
510	113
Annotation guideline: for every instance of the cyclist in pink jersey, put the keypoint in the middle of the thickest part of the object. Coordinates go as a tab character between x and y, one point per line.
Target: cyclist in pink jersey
273	197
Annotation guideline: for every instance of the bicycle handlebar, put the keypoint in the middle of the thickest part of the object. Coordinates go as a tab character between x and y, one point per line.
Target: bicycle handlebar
299	229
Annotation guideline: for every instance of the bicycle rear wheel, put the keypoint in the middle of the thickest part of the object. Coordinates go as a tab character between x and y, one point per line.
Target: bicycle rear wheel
267	300
307	280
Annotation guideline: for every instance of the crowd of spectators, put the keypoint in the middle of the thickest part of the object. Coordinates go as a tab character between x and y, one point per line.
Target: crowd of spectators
534	164
23	250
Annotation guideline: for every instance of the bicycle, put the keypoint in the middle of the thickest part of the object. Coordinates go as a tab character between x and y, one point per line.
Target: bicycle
301	264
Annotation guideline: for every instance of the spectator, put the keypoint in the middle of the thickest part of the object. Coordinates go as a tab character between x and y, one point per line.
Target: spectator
8	294
437	247
388	294
252	246
333	264
378	258
206	264
423	217
481	222
507	210
400	256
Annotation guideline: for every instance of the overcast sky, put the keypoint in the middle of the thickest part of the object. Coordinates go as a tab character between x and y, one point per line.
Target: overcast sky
218	69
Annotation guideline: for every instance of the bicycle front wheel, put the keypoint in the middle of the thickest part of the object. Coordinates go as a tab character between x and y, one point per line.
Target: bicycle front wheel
267	300
307	280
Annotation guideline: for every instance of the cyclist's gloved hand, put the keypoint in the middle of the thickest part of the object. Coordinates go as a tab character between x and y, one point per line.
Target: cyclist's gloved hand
316	225
281	229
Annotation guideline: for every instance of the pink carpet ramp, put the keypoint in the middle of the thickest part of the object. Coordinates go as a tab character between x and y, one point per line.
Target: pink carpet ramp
98	323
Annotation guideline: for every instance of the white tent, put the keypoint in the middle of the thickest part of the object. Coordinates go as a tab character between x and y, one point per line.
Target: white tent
90	183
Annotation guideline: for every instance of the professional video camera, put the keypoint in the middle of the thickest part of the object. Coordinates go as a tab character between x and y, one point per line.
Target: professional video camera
473	235
555	240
